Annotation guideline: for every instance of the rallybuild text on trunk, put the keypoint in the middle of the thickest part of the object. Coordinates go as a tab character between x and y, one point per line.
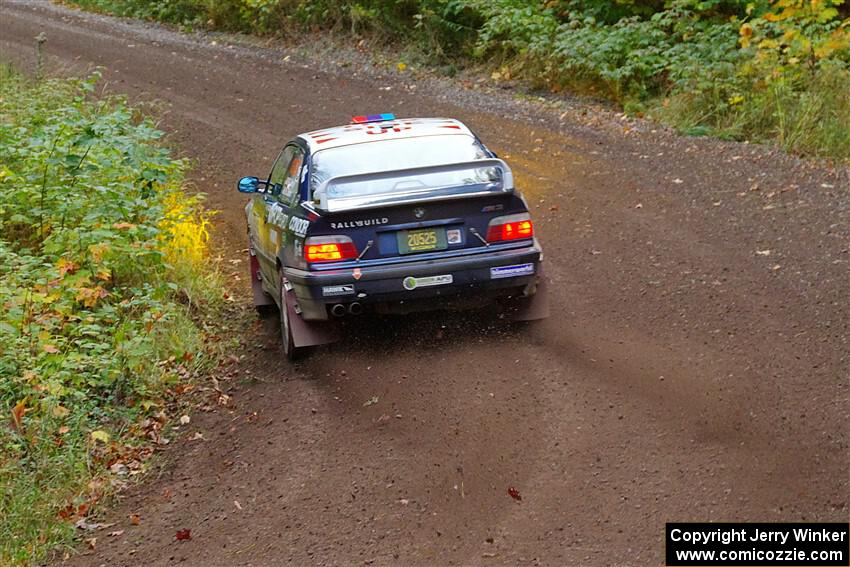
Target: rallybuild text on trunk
726	536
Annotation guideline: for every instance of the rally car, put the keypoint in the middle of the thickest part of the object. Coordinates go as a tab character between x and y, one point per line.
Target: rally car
391	216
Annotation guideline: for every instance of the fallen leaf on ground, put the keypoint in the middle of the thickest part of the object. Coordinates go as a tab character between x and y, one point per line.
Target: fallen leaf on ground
18	414
91	542
135	519
83	524
185	419
371	401
514	493
100	435
119	469
183	535
116	533
60	411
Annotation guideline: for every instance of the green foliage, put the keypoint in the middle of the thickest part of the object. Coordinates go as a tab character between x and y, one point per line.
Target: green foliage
94	323
765	56
630	59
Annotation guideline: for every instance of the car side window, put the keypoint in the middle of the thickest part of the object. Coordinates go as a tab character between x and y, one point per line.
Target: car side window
286	174
292	179
279	170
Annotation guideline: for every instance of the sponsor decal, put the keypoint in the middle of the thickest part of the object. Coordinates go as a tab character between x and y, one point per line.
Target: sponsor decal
356	273
453	236
419	212
277	216
335	290
511	271
360	223
299	226
410	283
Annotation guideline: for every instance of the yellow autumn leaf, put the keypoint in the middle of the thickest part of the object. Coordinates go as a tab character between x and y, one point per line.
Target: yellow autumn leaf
66	266
97	251
768	44
401	66
788	12
89	296
100	435
746	33
123	225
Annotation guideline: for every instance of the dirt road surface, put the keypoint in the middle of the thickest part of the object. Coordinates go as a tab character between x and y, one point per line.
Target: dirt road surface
695	367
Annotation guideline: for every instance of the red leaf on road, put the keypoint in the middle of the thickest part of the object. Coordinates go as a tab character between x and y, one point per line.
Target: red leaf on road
183	535
514	493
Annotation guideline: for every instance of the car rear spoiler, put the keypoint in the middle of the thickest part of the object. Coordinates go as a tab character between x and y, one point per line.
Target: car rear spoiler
417	195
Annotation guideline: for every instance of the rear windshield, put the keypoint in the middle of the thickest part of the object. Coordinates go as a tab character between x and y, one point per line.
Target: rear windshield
391	155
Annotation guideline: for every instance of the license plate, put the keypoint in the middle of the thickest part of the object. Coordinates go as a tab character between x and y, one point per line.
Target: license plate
412	241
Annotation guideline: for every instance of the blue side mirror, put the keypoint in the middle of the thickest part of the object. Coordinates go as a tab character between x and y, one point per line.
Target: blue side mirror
249	185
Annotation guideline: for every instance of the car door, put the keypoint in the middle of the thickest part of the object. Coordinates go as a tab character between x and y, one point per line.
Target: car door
263	209
280	200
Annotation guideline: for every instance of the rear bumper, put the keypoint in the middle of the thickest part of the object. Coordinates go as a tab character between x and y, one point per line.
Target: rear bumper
488	272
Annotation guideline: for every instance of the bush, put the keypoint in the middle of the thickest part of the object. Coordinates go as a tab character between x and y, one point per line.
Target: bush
103	270
719	66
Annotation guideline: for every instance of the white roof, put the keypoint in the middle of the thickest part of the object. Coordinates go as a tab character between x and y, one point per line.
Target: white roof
385	130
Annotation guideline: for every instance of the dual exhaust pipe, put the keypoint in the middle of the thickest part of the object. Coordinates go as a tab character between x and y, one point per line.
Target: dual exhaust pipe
339	309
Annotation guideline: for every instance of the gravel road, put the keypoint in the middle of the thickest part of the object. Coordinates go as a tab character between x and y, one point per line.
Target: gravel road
695	367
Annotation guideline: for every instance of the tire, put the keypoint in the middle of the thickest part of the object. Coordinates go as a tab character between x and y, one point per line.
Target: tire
265	311
290	351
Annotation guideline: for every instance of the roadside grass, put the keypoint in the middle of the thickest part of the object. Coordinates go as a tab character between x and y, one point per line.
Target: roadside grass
773	71
109	303
809	115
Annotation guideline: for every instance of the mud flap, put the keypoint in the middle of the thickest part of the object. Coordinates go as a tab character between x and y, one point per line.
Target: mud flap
261	298
534	307
310	333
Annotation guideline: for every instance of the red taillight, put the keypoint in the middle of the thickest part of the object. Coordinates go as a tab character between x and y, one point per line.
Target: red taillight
507	228
329	249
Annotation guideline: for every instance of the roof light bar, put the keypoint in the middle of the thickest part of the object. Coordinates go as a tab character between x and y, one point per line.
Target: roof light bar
372	118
